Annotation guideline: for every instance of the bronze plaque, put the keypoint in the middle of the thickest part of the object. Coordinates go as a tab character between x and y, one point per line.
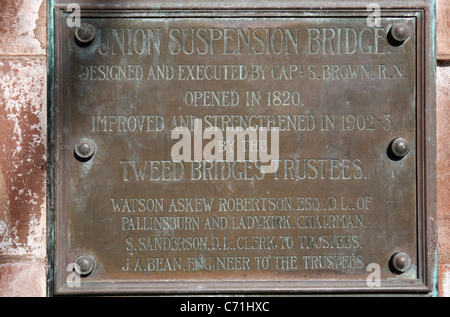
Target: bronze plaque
242	151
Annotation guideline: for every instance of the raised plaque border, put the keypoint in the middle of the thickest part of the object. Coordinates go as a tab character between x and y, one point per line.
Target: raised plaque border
422	11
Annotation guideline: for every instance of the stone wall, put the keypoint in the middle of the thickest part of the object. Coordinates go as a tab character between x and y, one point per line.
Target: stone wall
23	126
23	129
443	143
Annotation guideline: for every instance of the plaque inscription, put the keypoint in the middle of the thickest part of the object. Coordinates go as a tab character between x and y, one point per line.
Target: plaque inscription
228	153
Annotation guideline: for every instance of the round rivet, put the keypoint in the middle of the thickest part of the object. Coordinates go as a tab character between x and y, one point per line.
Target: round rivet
401	261
400	32
85	148
85	264
400	147
85	34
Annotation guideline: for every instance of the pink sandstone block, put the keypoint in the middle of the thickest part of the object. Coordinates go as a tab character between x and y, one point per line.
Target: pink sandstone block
23	27
23	157
23	279
443	29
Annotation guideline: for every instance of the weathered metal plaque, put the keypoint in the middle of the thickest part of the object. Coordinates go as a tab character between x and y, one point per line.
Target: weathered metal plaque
242	151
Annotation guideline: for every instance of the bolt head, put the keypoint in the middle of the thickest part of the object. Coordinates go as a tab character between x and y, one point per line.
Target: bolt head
85	264
400	32
85	148
85	34
401	261
400	147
